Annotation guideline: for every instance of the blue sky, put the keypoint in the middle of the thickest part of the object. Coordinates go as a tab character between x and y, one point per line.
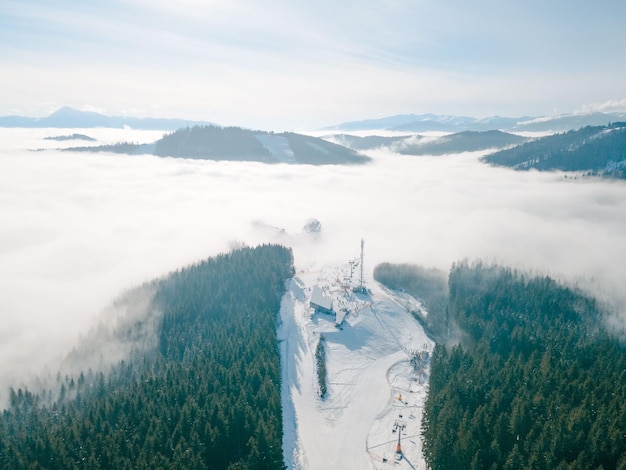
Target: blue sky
303	64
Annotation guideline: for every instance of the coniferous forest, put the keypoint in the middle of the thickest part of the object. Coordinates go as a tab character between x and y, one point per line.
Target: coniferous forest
598	150
207	395
535	382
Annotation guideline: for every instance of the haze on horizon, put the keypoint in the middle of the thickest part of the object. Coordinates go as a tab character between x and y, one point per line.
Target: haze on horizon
305	65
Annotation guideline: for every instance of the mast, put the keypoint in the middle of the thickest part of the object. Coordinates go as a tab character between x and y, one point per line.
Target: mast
362	255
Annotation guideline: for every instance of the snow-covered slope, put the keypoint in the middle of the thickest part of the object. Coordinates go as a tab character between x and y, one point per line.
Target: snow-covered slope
371	385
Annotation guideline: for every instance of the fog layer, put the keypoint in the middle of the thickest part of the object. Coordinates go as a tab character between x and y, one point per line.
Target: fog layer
79	229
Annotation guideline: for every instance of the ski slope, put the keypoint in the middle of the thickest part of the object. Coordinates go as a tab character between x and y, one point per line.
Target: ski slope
371	387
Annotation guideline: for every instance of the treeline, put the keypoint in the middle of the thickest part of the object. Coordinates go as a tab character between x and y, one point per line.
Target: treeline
206	396
74	136
213	142
127	148
320	363
536	382
597	150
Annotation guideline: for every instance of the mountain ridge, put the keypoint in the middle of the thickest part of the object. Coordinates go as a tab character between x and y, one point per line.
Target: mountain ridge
67	117
449	123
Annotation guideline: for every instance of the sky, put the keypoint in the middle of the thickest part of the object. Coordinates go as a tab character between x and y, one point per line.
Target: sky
78	230
288	65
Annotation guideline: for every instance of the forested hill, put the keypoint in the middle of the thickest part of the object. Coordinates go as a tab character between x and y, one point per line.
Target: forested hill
237	144
535	382
467	141
597	150
207	395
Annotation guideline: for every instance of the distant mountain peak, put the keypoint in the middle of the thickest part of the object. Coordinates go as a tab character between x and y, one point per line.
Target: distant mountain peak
66	111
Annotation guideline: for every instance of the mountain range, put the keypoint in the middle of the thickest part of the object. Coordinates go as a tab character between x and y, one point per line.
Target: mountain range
67	117
449	123
72	118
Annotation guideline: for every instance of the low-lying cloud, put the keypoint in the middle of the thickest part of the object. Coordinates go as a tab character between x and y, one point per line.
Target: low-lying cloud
78	229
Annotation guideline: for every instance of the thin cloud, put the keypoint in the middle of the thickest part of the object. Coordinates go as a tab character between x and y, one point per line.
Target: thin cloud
604	107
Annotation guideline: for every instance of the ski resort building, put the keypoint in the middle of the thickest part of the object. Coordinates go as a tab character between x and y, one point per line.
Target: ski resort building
319	302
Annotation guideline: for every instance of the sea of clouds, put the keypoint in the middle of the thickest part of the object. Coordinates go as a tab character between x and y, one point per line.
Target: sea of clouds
79	229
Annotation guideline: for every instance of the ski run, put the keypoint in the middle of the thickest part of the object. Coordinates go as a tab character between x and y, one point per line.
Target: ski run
376	360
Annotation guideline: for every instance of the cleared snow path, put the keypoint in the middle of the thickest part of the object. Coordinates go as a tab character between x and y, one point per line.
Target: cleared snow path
367	364
278	146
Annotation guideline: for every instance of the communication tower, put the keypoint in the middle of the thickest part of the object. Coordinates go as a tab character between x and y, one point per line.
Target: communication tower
362	254
361	288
